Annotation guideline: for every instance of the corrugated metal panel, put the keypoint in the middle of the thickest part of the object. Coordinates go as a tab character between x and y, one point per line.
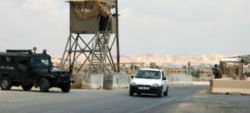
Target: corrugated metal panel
86	26
112	1
231	59
246	59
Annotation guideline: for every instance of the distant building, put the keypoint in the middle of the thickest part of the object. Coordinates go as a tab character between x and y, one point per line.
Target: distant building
206	74
174	71
131	67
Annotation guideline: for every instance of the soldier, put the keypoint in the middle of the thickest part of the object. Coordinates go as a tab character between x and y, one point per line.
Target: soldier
216	71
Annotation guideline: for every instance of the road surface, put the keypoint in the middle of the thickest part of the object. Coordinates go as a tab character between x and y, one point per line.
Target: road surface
187	99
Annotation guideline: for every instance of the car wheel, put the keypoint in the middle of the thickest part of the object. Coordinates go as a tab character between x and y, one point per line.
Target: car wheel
66	87
159	94
131	93
44	85
166	92
5	83
27	87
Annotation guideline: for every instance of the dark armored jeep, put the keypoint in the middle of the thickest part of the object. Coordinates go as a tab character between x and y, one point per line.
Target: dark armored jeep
25	68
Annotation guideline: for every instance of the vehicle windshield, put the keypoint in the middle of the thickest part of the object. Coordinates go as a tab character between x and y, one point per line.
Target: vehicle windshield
40	62
147	74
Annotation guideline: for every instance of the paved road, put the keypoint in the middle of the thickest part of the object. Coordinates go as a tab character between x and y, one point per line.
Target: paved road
190	99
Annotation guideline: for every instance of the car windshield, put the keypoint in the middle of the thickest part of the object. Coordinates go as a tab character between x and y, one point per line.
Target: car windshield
40	61
148	74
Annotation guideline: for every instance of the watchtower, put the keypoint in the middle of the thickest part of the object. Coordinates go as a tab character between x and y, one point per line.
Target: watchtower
93	33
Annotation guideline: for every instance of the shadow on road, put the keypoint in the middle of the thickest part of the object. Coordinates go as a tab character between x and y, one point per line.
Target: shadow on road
145	95
34	91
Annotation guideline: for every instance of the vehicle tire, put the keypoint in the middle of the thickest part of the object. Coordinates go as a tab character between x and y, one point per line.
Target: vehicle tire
5	83
131	93
44	85
159	94
27	87
166	92
66	87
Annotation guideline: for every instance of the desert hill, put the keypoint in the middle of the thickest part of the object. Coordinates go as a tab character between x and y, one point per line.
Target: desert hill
162	59
174	59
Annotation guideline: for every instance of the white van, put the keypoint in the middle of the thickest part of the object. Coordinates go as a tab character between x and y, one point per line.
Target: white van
149	81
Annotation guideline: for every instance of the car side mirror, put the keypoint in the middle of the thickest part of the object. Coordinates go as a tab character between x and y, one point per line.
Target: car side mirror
164	78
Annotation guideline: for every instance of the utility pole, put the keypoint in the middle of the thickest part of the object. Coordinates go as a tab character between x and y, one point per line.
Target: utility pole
117	37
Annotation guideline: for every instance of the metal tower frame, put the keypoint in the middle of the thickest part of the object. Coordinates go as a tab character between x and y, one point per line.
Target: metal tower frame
97	51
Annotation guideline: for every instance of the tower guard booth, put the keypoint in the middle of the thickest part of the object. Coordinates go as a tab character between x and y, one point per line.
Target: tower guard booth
91	38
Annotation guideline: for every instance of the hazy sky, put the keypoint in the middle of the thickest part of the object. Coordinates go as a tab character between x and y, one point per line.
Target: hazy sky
186	27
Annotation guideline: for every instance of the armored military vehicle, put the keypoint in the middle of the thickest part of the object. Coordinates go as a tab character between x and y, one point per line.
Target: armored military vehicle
27	69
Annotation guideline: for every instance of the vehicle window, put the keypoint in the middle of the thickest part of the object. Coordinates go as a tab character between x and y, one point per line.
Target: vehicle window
24	62
148	74
40	61
6	60
3	60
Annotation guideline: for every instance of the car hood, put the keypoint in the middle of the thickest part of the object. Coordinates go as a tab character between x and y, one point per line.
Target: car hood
140	81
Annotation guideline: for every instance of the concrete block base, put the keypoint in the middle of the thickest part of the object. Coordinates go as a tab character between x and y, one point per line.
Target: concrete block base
94	81
121	80
230	86
99	81
180	79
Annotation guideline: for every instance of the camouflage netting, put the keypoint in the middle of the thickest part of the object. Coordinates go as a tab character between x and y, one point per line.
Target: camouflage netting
246	59
90	8
232	69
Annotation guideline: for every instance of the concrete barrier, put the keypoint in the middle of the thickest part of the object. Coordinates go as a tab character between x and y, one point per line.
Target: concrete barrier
108	82
180	79
121	80
94	81
99	81
230	86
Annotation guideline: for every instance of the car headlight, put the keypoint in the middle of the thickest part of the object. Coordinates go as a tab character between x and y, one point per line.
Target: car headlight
155	85
133	84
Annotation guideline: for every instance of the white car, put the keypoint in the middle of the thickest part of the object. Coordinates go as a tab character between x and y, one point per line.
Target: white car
149	81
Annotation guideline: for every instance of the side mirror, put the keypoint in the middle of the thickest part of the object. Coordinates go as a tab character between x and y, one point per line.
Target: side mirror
164	78
132	77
